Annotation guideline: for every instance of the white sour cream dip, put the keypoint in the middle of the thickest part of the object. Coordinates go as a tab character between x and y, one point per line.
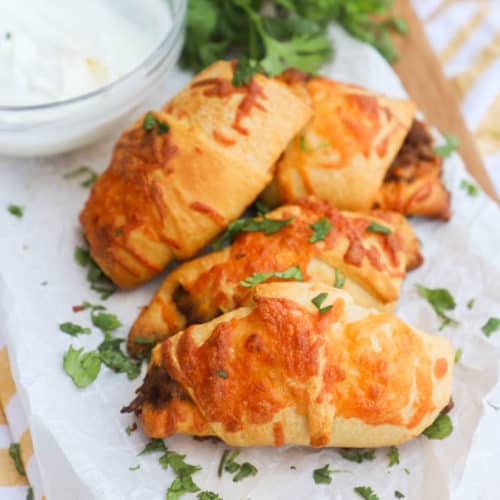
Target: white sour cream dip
52	50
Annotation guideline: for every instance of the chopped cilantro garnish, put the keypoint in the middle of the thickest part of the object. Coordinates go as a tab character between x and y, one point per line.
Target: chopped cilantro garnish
318	300
407	471
398	494
358	456
441	300
73	329
229	464
105	321
30	495
92	176
458	355
451	143
471	303
261	207
320	229
8	35
470	188
222	373
181	486
366	492
220	469
307	149
82	368
153	446
249	224
245	71
339	278
15	454
115	359
16	210
393	455
144	341
176	462
150	122
441	428
99	282
292	273
246	470
491	326
323	475
208	495
375	227
131	428
137	467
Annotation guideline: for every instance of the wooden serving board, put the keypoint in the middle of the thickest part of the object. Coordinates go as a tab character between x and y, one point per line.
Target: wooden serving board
420	71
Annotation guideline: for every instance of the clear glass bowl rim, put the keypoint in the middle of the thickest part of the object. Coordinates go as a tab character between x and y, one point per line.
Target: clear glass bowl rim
178	13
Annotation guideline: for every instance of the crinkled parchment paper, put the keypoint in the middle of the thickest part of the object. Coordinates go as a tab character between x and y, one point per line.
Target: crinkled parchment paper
79	434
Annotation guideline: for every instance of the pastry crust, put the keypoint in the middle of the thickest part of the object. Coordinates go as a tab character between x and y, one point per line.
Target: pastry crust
373	264
344	152
166	195
413	184
281	372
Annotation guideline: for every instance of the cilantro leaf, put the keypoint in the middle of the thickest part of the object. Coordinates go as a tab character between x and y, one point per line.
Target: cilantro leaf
16	210
144	341
366	492
99	282
323	475
375	227
222	373
30	495
82	368
153	446
451	143
292	273
222	462
176	461
180	486
231	465
92	176
267	226
115	359
339	278
398	494
136	467
393	455
15	454
106	322
458	355
246	470
491	326
318	300
441	300
73	329
261	207
150	122
356	455
471	189
245	71
320	229
441	428
471	303
208	495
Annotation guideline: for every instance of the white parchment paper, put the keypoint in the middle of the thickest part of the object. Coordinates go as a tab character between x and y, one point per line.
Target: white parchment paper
79	435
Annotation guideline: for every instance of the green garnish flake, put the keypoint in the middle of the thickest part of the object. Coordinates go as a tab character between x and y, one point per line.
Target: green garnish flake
441	428
8	35
241	471
153	446
356	455
491	326
366	492
471	303
246	470
208	495
407	471
323	475
222	374
451	144
30	495
144	341
320	229
83	368
114	358
441	300
458	355
398	494
150	122
91	175
177	463
307	149
375	227
393	455
137	467
339	278
318	300
107	322
231	465
180	486
16	210
98	281
15	454
292	273
250	225
73	329
245	71
471	189
261	207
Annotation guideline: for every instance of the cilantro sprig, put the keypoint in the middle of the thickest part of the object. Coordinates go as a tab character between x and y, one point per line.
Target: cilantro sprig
16	210
321	228
491	326
441	300
98	281
318	301
366	492
240	471
90	174
356	455
441	428
451	144
15	455
292	273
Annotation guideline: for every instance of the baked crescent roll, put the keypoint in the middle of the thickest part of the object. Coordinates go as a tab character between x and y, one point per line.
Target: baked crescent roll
413	183
283	371
370	265
344	152
179	176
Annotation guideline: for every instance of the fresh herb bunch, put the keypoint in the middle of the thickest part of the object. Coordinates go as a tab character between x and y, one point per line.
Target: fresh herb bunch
283	33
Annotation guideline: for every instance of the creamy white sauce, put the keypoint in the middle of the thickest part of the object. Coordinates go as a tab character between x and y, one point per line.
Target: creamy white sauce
51	50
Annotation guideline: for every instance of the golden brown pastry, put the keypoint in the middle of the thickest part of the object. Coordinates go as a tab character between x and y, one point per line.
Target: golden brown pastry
413	183
371	264
281	371
344	152
178	177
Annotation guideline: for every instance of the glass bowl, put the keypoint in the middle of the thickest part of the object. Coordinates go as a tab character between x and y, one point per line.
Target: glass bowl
56	127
